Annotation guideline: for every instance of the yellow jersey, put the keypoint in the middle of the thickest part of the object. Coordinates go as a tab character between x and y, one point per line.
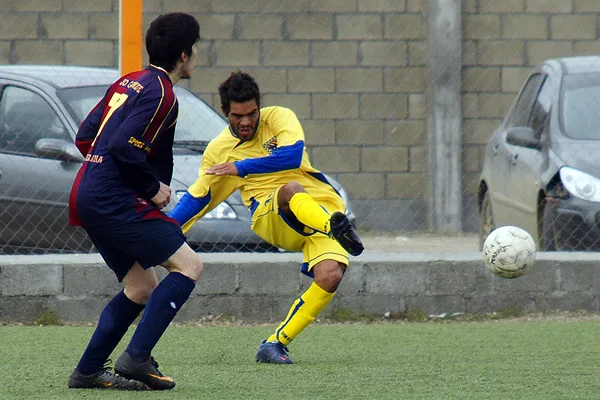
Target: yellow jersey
273	157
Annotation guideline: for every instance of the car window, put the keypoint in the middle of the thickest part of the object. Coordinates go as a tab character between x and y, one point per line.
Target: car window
197	121
541	109
580	105
25	118
522	109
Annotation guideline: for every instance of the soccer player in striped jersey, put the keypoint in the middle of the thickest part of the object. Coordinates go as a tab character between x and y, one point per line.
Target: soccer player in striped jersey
117	197
293	206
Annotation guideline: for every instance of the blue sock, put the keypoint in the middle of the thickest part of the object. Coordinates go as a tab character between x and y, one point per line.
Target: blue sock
168	297
117	317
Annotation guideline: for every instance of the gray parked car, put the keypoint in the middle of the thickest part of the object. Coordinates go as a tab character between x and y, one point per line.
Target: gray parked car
41	108
542	170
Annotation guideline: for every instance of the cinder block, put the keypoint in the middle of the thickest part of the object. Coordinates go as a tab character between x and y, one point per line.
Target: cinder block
285	53
405	26
407	279
90	280
359	132
405	186
405	80
301	80
310	26
19	26
405	133
479	27
381	5
90	53
481	79
218	279
540	50
500	7
216	26
501	52
31	280
104	26
193	6
37	5
548	6
337	53
363	185
384	159
343	159
525	26
39	51
236	53
330	106
65	25
88	6
269	279
260	26
359	27
359	80
384	106
463	277
383	53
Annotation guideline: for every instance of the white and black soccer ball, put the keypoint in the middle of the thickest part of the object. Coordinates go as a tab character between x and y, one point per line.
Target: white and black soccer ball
509	252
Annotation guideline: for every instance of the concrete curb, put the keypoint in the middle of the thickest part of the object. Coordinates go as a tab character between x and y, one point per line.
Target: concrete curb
261	287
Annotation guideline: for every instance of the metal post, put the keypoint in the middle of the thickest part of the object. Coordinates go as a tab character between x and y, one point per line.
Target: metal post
444	195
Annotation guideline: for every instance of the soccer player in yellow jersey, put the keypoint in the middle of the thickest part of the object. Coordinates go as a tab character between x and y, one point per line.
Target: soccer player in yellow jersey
293	206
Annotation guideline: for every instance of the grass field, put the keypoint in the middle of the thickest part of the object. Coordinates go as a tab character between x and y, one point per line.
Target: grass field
396	360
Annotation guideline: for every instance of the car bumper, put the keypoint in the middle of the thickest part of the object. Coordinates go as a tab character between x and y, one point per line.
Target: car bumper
575	224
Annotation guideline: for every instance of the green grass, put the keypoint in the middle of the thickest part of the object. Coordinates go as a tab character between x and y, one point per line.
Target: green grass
394	360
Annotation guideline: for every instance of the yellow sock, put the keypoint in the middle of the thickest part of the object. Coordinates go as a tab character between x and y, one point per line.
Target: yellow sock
309	212
303	312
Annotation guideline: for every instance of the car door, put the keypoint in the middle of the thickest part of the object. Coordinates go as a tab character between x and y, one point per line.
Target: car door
502	153
34	190
526	163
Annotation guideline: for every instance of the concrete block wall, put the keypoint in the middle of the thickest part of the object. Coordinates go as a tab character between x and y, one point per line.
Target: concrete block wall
255	288
355	72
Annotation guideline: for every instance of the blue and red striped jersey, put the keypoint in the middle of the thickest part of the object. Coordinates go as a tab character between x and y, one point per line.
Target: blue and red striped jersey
127	142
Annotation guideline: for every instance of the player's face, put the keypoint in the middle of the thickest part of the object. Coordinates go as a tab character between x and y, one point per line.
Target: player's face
243	119
190	63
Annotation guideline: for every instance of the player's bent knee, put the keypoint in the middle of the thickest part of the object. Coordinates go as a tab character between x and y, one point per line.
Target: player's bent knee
186	262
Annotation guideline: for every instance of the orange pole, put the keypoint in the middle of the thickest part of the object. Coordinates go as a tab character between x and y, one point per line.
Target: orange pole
130	43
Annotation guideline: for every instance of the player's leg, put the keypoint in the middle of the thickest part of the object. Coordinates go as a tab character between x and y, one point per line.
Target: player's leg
185	268
293	198
324	259
328	275
113	323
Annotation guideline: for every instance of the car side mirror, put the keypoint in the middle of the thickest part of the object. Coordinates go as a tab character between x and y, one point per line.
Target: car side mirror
58	149
523	137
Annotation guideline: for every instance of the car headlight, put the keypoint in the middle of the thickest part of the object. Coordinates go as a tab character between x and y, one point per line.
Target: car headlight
222	211
580	184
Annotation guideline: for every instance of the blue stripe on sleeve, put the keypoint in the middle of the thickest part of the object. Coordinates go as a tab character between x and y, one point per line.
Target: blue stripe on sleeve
188	206
284	158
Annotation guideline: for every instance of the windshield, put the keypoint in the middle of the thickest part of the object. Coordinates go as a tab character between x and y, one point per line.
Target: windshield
197	121
580	102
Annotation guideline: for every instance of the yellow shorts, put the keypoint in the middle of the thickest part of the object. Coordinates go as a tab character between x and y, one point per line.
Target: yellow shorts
272	225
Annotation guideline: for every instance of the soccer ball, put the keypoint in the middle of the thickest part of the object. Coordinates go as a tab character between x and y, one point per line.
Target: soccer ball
509	252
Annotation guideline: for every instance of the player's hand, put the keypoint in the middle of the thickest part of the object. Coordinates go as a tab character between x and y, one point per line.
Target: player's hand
163	197
227	168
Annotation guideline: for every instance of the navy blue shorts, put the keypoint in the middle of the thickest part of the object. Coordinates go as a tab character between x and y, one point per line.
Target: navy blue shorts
149	242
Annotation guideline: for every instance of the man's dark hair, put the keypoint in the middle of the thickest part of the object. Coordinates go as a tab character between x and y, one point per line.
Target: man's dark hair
168	36
239	88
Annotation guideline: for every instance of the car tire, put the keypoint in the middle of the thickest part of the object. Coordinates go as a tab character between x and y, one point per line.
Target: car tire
486	219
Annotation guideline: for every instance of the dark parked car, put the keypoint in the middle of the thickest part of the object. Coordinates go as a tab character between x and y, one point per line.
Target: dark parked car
41	108
542	165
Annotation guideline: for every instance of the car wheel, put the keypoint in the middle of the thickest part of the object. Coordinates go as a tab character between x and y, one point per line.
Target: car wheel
548	237
486	219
